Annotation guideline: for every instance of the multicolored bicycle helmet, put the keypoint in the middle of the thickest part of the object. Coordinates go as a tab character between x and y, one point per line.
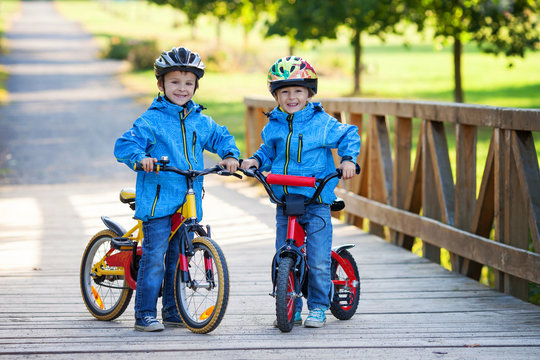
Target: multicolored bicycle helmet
292	71
179	58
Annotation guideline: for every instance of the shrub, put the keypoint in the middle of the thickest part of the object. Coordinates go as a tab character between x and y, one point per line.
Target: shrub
142	54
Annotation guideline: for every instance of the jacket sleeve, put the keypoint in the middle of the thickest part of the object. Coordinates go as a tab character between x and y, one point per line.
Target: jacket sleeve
344	137
135	144
221	142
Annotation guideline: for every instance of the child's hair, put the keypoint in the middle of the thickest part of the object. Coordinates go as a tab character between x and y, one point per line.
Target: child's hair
179	59
292	71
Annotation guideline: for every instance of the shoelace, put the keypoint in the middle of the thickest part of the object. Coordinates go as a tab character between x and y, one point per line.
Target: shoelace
316	313
149	320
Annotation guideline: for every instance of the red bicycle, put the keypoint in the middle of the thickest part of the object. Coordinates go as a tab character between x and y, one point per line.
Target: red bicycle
289	266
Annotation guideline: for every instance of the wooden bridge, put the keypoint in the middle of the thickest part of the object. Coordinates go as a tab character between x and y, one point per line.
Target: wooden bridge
407	196
410	307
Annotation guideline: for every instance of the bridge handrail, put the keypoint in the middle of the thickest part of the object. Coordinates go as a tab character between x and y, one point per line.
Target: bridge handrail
495	224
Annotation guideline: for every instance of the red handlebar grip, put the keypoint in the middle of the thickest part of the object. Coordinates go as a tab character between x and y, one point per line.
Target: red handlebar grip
290	180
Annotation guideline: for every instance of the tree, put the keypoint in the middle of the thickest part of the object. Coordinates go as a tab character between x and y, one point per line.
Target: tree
508	27
192	8
301	20
247	12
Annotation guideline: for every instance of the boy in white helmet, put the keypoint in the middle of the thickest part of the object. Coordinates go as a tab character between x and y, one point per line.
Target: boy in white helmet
172	126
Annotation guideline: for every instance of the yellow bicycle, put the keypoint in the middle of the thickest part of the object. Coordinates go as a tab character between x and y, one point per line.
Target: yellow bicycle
110	261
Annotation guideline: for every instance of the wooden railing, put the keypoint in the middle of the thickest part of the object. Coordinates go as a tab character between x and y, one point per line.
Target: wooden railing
407	189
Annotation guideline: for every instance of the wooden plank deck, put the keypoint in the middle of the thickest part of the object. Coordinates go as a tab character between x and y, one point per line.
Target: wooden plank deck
409	308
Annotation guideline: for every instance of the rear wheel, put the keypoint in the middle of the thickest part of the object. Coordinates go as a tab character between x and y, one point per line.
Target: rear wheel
105	296
346	296
286	290
202	300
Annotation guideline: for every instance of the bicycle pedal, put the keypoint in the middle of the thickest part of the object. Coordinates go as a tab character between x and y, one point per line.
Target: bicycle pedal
345	297
123	244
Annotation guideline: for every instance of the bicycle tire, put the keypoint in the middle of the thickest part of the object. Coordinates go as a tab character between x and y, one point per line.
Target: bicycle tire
203	302
341	309
105	297
286	287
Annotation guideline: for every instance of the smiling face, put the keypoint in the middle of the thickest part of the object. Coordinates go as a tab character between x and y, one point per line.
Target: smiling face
292	98
178	86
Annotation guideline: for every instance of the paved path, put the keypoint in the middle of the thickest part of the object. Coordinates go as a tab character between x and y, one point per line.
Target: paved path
65	106
58	132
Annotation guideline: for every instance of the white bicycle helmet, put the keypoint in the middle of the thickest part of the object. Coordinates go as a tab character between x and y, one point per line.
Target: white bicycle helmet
181	59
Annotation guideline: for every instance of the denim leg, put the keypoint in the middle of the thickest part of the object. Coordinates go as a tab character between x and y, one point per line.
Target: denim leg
317	223
151	269
171	260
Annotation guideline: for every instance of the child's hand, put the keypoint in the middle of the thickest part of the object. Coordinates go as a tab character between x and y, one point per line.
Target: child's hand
231	164
148	164
248	163
348	168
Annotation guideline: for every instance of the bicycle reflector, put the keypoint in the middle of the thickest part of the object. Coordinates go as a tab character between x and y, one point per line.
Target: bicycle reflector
290	180
207	313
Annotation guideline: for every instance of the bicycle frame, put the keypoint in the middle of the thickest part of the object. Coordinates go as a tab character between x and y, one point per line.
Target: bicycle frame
296	236
122	260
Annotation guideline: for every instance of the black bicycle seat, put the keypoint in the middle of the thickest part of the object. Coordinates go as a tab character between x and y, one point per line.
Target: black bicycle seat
337	205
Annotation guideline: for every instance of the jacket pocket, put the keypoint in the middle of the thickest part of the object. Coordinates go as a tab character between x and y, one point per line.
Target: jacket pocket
156	198
300	145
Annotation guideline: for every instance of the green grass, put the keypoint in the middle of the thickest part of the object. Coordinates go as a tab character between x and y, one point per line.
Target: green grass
7	10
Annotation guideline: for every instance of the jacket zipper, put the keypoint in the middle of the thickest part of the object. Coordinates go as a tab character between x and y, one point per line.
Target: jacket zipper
300	141
183	125
193	148
158	189
288	148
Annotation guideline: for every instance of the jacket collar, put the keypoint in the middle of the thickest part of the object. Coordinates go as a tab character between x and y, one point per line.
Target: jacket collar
161	103
303	115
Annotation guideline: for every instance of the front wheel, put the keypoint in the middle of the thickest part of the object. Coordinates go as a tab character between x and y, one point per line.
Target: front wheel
346	293
286	292
203	299
105	296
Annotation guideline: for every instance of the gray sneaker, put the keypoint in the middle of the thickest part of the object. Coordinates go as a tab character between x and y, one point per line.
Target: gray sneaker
148	323
315	318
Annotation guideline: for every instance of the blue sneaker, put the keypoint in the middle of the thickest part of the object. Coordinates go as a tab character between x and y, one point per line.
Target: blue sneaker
172	320
315	318
297	319
148	323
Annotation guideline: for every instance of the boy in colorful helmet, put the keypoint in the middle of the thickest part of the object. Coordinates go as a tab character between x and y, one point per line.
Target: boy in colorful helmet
172	126
297	140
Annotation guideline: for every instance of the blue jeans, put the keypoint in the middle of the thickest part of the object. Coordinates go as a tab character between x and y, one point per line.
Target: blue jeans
157	267
317	222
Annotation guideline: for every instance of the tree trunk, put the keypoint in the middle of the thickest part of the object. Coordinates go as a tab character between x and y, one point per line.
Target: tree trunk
357	45
458	88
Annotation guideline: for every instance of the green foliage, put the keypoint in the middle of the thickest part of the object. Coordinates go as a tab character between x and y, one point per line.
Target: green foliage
497	26
140	53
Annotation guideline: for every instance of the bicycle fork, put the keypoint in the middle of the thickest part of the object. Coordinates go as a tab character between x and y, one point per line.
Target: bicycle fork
294	247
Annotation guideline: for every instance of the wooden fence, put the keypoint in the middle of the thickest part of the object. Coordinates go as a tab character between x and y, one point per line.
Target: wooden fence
407	188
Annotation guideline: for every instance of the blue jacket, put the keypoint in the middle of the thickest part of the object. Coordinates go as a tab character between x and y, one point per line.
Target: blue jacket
301	143
164	131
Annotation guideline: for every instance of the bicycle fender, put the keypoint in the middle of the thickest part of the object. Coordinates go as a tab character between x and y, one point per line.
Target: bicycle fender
114	226
337	249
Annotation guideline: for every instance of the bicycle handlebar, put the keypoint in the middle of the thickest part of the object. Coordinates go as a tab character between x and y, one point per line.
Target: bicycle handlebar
291	180
162	165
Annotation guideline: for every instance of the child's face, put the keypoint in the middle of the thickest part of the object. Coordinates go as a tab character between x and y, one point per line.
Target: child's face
292	98
178	86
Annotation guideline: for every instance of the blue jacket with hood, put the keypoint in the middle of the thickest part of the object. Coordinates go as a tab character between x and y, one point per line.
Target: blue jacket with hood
163	130
301	143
